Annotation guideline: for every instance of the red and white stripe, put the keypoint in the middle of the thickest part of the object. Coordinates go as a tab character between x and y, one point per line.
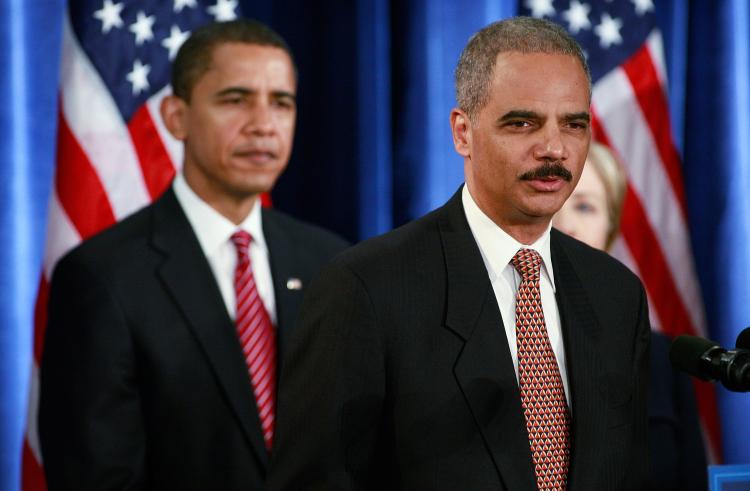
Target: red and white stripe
631	116
106	169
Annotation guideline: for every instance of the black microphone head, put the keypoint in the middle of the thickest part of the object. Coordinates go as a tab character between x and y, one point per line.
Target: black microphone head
686	353
743	340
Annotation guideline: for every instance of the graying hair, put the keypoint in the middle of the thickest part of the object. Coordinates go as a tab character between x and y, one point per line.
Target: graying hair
521	34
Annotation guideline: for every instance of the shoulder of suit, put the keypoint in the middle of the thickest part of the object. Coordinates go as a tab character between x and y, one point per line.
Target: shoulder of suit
113	240
402	245
116	246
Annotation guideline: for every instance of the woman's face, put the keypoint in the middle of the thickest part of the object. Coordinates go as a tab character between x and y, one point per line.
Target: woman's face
584	215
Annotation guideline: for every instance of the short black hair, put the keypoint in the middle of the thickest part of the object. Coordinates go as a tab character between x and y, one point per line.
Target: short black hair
194	57
521	34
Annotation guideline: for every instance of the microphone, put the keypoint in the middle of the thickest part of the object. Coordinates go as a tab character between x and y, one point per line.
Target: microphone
707	360
743	340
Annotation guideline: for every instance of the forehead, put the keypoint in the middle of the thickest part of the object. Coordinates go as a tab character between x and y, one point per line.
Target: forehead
539	82
249	64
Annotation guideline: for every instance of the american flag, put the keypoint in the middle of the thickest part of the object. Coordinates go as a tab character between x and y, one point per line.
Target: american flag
114	155
631	116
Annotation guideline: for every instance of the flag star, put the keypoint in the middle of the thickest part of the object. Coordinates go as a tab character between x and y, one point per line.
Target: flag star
223	10
142	28
540	8
109	14
643	6
181	4
175	40
577	16
609	31
138	76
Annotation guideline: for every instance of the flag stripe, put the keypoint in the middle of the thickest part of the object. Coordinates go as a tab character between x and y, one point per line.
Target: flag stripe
156	165
32	429
646	251
32	475
628	134
61	234
656	275
656	52
78	187
40	317
101	134
650	95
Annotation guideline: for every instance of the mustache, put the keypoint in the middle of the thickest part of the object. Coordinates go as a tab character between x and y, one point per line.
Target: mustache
549	169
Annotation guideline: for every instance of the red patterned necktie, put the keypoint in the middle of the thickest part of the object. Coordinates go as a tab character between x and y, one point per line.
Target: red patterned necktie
542	393
257	337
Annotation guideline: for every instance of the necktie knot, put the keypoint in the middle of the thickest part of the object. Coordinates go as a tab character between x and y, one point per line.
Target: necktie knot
528	263
241	241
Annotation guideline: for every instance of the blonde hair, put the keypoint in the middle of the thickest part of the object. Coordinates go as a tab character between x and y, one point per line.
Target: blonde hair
612	175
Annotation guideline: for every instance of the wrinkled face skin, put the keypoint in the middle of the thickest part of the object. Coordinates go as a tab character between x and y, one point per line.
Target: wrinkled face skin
525	149
239	124
584	216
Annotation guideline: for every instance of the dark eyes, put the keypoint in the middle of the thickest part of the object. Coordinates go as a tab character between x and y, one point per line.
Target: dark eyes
231	100
518	124
583	207
578	125
283	103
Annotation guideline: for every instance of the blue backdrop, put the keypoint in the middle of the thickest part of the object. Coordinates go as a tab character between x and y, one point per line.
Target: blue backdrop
373	146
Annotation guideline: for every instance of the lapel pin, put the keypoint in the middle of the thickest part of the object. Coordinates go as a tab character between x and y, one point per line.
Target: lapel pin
294	284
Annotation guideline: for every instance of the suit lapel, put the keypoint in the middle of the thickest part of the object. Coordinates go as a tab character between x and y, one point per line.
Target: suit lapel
484	369
581	332
284	271
187	275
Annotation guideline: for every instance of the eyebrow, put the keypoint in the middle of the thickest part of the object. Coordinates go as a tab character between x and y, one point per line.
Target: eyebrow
244	91
581	116
524	114
518	114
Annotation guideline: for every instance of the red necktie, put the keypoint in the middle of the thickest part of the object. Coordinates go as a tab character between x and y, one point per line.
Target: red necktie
257	337
542	393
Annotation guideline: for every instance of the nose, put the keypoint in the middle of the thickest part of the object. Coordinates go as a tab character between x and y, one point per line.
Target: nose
259	119
551	146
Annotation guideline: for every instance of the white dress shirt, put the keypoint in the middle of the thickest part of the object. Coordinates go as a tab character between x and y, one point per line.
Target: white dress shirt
498	248
214	232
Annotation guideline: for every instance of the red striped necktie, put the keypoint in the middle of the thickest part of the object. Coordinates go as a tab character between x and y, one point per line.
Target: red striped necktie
257	337
542	392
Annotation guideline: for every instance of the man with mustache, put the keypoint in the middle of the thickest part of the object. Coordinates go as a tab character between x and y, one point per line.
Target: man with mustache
161	354
477	348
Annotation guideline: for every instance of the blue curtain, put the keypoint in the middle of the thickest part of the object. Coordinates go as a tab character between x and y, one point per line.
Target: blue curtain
373	146
30	36
717	175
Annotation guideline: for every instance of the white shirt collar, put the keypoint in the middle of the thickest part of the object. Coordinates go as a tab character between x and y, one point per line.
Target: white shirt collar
496	246
211	227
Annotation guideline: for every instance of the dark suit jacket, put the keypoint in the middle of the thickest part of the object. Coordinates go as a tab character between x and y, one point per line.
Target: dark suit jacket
143	382
399	375
678	459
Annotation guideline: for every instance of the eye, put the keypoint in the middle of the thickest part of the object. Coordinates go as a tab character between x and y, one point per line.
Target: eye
232	100
585	208
578	125
520	124
283	103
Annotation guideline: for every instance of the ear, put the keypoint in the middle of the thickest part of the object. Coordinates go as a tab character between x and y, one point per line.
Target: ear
461	128
174	113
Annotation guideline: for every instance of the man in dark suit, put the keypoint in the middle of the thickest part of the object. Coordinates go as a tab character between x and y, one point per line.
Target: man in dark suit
159	366
476	348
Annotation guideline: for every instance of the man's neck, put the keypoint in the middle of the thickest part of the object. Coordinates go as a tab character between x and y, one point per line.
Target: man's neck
233	208
524	229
